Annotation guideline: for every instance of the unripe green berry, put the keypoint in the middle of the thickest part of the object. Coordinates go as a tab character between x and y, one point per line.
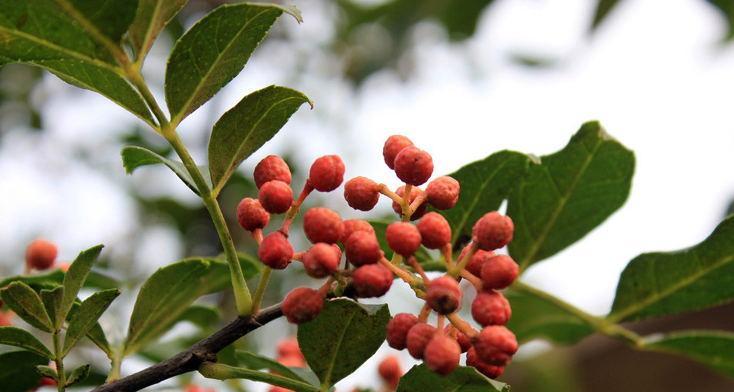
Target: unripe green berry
413	166
362	248
361	193
435	230
403	238
270	168
442	354
275	196
302	304
443	192
491	308
499	272
444	295
393	145
275	251
327	173
321	260
251	215
40	254
372	280
493	231
322	225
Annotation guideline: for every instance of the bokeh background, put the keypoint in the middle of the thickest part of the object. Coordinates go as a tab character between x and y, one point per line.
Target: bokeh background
462	79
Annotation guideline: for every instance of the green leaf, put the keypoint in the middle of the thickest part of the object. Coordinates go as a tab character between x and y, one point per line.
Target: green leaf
258	362
151	18
213	52
86	317
247	126
52	302
17	337
421	254
225	372
603	9
74	279
162	299
27	304
204	317
726	9
96	335
218	277
657	284
343	336
109	17
484	185
133	157
18	370
55	278
78	375
568	193
47	371
463	379
712	348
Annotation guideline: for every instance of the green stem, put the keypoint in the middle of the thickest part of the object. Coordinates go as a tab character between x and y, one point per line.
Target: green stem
59	360
257	299
116	365
223	372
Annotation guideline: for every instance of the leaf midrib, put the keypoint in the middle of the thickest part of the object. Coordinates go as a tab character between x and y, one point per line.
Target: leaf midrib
332	362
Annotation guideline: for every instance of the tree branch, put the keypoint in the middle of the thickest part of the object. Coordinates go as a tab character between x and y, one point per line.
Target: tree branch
204	350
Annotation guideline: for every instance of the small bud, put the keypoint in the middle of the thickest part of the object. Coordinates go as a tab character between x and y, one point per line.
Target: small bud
271	168
302	304
443	295
442	354
496	345
397	329
491	308
40	254
326	173
413	166
499	272
362	248
275	197
275	251
372	280
390	370
361	193
443	192
418	338
321	260
393	145
352	225
435	230
414	193
403	238
251	215
322	225
473	360
477	261
493	231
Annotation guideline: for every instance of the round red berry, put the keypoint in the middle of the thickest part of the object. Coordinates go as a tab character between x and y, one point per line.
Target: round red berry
477	261
397	329
444	295
442	354
275	196
435	230
461	338
414	193
352	225
418	338
493	231
390	370
302	304
322	225
403	238
292	360
47	382
40	254
275	251
473	360
321	260
499	272
270	168
393	145
491	308
361	193
413	165
443	192
362	248
372	280
496	345
251	215
326	173
289	347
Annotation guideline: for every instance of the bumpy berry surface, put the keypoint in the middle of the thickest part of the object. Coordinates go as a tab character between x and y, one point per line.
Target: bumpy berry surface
499	272
443	192
372	280
326	173
403	238
390	370
323	225
251	215
275	196
473	360
352	225
435	230
270	168
414	193
361	193
40	254
418	338
397	329
321	260
442	354
362	248
302	304
491	308
477	261
413	165
443	295
493	231
496	345
275	251
393	145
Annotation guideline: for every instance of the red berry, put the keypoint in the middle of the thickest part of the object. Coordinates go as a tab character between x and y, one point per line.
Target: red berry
40	254
414	193
403	238
289	347
444	295
442	354
477	261
352	225
390	370
443	192
463	340
418	338
6	319
196	388
321	260
499	272
292	360
393	145
491	308
493	231
372	280
435	230
270	168
302	304
275	251
251	215
362	248
361	193
47	382
326	173
473	360
413	165
496	345
322	225
275	196
397	329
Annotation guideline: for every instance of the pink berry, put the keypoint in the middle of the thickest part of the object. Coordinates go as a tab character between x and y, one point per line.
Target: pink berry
270	168
393	145
321	260
251	215
473	360
499	272
477	261
361	193
496	345
403	238
275	196
493	231
414	193
442	354
40	254
461	338
443	192
362	248
444	295
327	173
418	338
491	308
413	165
302	304
275	251
397	329
352	225
372	280
435	230
390	370
323	225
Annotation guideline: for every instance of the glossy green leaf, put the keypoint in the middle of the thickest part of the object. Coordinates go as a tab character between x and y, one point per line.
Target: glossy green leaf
343	336
78	375
17	337
484	185
464	379
213	52
52	302
133	157
258	362
567	194
225	372
712	348
151	18
55	278
75	277
247	126
657	284
218	277
87	315
204	317
18	370
602	11
96	335
27	304
111	18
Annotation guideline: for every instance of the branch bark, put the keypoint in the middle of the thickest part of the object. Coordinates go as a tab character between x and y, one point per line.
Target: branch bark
204	350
